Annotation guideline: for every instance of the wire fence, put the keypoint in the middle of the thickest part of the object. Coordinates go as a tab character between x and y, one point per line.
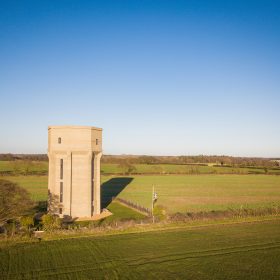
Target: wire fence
134	205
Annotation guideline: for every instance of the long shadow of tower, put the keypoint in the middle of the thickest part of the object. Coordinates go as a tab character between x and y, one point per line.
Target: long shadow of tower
112	188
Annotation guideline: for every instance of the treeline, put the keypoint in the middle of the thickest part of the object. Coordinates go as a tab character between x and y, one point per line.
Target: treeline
142	159
191	160
27	157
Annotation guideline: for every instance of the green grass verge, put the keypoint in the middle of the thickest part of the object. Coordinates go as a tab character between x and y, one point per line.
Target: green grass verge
237	251
122	213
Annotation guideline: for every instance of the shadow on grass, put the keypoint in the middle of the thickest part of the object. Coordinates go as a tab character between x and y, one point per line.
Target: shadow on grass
112	188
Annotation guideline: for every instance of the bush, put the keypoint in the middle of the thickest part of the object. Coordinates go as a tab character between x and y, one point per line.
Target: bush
221	214
27	223
11	228
159	213
51	222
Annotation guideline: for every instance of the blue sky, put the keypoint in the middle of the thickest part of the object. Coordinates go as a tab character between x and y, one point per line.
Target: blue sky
160	77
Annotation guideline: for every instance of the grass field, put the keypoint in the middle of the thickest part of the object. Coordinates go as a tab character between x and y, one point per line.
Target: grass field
184	169
121	212
37	186
179	193
23	167
237	251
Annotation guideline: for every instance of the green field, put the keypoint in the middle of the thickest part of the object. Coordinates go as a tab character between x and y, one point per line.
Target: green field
179	193
237	251
24	166
108	168
36	167
121	212
232	251
37	186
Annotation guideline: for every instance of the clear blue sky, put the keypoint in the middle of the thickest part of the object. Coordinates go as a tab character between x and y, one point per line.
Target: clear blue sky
160	77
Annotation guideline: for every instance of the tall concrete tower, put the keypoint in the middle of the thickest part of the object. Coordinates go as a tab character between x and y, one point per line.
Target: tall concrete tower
74	170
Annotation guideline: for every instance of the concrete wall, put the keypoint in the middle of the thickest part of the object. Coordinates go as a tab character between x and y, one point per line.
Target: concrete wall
80	148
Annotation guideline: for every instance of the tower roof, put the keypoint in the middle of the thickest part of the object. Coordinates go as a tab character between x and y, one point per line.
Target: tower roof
73	127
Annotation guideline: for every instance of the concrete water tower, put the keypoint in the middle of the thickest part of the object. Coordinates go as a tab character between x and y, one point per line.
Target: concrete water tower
74	170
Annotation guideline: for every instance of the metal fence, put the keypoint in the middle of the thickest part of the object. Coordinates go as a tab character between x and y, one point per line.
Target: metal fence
134	205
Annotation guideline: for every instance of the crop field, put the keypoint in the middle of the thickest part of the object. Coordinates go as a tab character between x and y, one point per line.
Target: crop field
236	251
179	193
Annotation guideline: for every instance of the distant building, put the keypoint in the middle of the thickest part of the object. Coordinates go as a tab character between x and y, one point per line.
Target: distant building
74	170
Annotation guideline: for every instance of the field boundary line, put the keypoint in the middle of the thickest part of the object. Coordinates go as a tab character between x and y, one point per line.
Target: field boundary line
140	229
144	228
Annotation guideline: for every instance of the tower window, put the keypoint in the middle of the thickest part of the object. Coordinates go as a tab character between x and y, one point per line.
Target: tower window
61	192
59	140
61	169
96	141
60	210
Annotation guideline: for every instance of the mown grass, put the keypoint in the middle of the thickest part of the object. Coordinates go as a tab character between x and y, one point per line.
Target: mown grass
37	186
237	251
186	193
121	213
181	193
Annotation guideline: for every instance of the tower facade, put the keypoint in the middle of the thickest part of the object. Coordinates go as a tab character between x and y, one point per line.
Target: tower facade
74	170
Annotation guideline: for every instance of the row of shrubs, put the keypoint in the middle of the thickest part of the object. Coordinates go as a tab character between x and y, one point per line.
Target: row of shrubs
27	225
220	214
195	170
23	172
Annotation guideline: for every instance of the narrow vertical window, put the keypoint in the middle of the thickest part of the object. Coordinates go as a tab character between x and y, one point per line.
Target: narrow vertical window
59	140
61	192
96	141
60	210
61	169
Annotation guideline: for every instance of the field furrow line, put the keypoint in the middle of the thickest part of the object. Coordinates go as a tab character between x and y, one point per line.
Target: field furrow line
187	255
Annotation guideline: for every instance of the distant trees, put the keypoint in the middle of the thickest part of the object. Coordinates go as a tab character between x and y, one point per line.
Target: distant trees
30	157
25	167
191	160
21	167
14	201
148	159
127	167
